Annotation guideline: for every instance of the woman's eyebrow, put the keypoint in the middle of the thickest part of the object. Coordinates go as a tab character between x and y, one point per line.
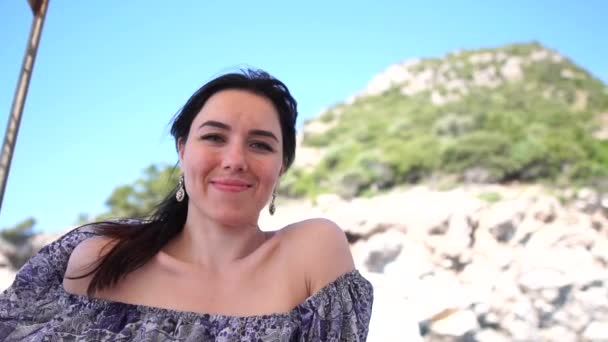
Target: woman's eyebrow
258	132
263	133
214	124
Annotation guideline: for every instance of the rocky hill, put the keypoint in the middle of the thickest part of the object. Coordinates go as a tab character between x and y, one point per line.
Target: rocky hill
521	112
477	262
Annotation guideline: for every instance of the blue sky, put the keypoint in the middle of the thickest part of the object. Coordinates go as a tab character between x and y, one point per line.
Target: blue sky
109	75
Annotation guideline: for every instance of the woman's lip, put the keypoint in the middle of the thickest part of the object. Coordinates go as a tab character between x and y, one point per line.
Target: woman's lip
230	186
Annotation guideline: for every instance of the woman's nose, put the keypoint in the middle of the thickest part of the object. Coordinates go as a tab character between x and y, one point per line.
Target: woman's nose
234	158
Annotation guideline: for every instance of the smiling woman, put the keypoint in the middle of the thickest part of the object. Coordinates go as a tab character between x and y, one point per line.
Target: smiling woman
200	268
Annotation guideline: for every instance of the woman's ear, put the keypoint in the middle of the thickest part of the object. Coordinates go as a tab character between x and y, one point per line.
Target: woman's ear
180	149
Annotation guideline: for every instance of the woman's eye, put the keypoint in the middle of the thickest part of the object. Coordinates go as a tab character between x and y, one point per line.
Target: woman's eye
212	138
262	146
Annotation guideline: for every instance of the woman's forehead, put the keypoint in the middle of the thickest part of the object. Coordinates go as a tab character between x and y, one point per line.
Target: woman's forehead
239	108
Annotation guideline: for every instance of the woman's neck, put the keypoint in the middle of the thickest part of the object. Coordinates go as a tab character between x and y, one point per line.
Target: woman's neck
214	246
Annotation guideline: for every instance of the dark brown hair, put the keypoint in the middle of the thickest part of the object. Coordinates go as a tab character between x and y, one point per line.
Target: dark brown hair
135	242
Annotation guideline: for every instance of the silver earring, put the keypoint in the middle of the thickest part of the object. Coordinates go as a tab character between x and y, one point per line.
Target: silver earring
272	208
181	192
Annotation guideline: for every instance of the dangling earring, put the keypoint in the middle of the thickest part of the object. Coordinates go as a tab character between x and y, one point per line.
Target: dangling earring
181	192
272	208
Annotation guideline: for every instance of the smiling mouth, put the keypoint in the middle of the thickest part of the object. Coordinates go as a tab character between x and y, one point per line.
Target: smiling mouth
230	186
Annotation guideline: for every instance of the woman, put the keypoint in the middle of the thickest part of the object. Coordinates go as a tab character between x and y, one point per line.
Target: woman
200	268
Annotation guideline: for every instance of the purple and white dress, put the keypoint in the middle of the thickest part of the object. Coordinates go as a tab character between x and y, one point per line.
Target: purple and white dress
37	308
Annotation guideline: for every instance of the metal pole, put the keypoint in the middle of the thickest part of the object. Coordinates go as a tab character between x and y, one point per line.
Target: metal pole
12	128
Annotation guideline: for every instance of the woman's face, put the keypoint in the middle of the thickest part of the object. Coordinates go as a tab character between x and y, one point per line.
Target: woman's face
233	157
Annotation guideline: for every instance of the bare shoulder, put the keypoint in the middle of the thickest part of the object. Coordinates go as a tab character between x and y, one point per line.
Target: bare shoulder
82	260
320	249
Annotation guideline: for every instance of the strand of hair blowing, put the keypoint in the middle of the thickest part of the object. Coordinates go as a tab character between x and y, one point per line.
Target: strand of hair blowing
135	242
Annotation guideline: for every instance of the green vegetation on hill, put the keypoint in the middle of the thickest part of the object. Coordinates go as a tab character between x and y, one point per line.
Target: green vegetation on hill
537	127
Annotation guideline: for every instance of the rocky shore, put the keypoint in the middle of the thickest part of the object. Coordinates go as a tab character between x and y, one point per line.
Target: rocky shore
474	263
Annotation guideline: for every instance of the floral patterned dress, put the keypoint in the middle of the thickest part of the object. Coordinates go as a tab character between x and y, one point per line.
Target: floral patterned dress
37	308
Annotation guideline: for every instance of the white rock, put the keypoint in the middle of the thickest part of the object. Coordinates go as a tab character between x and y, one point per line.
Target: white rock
557	58
600	250
7	248
544	278
511	70
525	231
502	219
411	63
593	301
444	68
7	276
393	316
573	316
438	99
458	237
588	199
501	56
567	74
521	329
487	77
456	324
552	268
328	201
383	249
481	58
480	276
539	55
421	82
572	230
411	265
596	331
488	335
439	293
4	261
393	75
364	216
422	210
545	209
308	157
558	333
318	127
